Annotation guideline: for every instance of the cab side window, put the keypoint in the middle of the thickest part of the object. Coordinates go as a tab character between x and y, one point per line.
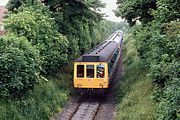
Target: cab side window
100	71
80	71
90	71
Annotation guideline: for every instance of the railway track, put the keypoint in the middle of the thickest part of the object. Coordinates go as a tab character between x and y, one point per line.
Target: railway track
86	111
87	108
79	110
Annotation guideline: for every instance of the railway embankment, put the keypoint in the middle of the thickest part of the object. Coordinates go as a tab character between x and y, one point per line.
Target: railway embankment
47	98
134	94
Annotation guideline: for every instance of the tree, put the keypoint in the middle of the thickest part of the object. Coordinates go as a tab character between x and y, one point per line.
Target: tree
133	10
13	5
158	46
157	41
167	10
76	19
35	23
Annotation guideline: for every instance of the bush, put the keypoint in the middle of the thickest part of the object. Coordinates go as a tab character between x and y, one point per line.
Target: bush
159	49
42	103
35	23
19	66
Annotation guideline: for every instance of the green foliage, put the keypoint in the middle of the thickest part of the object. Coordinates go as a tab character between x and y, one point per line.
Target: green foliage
42	103
134	90
34	23
133	10
19	66
13	4
76	20
42	27
160	51
95	4
158	44
168	108
159	48
167	10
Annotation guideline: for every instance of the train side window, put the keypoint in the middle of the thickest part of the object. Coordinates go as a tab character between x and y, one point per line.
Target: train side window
90	71
80	71
100	71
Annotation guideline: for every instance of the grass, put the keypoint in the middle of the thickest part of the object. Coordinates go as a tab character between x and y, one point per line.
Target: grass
47	98
135	90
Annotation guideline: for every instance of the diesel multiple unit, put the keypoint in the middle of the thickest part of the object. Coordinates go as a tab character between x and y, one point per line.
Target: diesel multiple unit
94	69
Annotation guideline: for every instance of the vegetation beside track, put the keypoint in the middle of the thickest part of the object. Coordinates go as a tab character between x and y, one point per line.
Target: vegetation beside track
135	90
46	99
157	37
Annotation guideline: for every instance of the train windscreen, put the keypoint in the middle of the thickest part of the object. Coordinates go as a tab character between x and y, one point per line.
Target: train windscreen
100	71
80	71
90	71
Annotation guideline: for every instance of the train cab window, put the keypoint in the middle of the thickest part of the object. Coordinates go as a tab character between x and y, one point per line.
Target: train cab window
100	71
80	71
90	71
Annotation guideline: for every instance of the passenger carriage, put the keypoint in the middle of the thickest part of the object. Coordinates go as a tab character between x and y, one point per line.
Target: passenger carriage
94	70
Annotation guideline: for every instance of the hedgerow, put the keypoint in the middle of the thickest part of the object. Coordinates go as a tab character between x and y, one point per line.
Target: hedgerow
35	23
19	66
159	49
158	43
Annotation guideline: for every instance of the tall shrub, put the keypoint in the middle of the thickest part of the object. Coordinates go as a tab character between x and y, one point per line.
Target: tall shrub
158	44
19	66
35	23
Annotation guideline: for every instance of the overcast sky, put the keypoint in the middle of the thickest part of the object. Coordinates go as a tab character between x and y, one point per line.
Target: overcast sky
3	2
110	5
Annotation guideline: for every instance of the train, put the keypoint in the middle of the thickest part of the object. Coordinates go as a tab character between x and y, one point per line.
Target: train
93	71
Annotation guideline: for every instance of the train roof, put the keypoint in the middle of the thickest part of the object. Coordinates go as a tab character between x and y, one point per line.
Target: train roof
103	51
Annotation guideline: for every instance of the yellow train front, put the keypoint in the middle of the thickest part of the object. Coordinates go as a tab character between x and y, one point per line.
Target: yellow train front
94	70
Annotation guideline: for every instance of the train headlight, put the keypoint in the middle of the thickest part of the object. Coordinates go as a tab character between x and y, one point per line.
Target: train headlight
79	84
101	84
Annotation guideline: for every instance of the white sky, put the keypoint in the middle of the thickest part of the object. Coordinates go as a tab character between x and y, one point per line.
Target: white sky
3	2
110	5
